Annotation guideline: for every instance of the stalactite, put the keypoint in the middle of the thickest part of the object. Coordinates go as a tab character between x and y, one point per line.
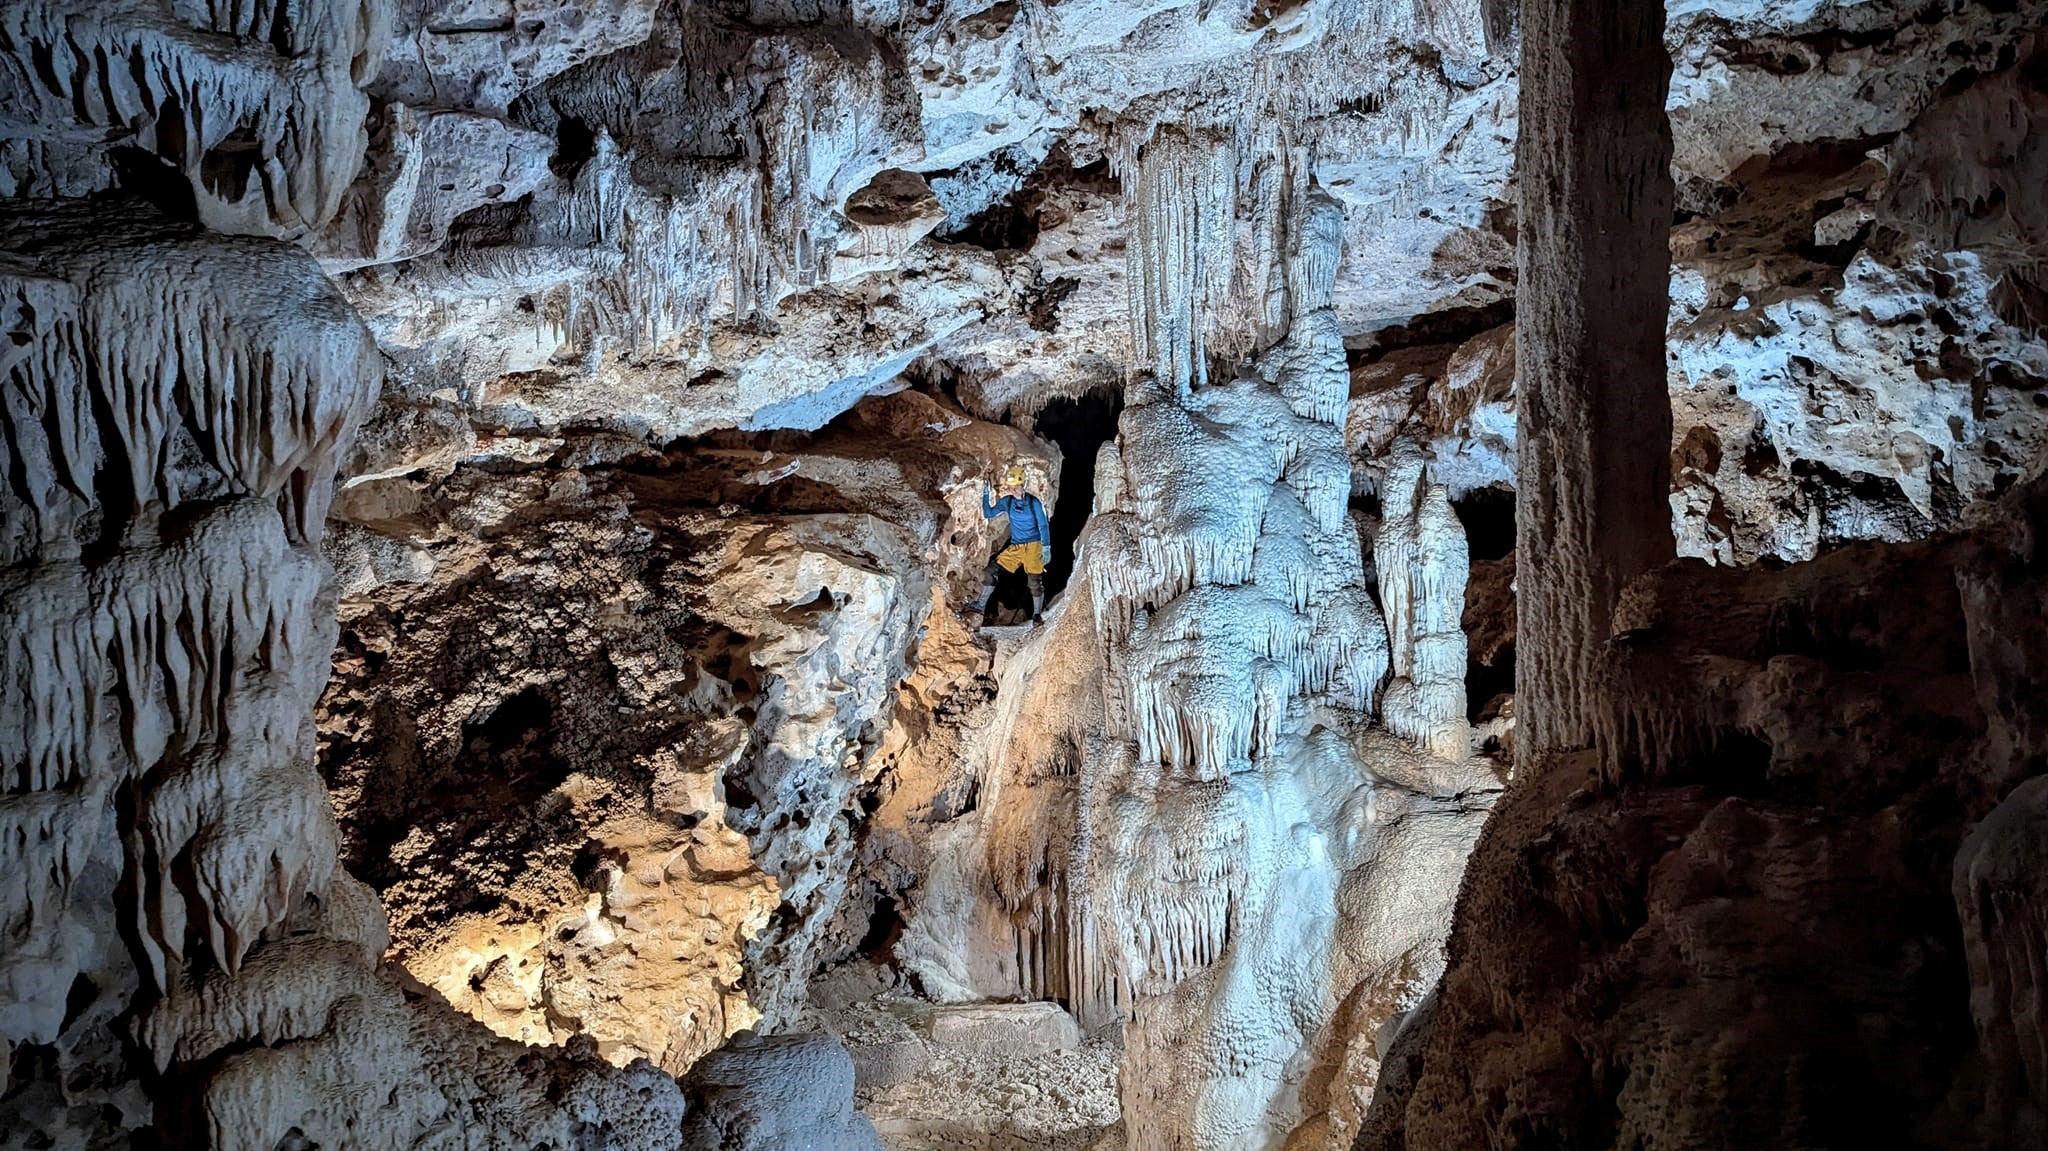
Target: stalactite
268	140
1183	218
1270	186
191	361
174	421
1314	242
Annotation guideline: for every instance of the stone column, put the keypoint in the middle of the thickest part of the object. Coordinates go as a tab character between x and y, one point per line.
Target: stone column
1422	560
1594	431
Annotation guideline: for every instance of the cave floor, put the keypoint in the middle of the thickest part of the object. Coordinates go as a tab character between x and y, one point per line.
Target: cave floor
927	1094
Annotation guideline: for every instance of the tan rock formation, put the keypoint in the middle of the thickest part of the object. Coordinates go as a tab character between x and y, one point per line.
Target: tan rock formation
629	815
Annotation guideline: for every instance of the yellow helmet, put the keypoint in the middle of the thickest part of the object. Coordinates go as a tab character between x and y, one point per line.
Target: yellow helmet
1014	476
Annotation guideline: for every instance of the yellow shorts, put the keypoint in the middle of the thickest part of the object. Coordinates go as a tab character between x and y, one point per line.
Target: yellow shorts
1030	557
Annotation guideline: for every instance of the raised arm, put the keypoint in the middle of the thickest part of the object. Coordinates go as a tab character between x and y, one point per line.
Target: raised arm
990	509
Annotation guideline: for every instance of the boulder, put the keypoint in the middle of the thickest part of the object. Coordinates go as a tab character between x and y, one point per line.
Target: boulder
1009	1030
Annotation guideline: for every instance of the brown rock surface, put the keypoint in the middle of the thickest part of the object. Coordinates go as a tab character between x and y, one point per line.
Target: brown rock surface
603	762
1740	931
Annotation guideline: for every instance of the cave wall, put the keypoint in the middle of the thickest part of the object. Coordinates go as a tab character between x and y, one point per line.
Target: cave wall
1755	883
639	280
722	182
1841	365
185	963
185	957
632	813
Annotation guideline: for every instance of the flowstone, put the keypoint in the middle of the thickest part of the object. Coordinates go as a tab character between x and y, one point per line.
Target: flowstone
1189	825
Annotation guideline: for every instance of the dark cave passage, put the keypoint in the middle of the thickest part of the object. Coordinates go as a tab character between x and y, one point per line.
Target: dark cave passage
1488	515
1489	518
1080	427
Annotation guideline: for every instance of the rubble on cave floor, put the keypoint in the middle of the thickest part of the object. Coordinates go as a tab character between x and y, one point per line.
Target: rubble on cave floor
1001	1076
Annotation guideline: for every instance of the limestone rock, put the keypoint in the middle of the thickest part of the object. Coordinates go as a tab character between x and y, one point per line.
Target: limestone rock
887	1062
425	169
1995	876
168	635
480	55
1421	559
1008	1029
254	115
1667	860
1145	846
700	325
884	1045
671	751
767	1094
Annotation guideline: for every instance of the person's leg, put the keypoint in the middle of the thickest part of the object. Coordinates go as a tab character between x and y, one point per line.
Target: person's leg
988	586
1006	560
1033	562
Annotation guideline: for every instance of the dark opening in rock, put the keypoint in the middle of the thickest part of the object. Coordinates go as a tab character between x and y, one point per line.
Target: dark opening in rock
1489	518
225	167
885	927
575	144
1489	618
1080	427
155	179
521	713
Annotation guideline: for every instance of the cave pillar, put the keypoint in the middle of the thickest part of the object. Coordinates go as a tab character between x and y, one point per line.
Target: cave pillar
1594	424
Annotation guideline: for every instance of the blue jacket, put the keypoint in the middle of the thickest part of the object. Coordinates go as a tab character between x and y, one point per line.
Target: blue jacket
1027	517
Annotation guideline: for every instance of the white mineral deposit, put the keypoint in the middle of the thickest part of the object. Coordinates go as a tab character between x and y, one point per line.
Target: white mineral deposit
1538	503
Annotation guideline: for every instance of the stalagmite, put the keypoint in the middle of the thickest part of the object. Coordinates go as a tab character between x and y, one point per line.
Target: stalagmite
1420	557
1228	657
1594	428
